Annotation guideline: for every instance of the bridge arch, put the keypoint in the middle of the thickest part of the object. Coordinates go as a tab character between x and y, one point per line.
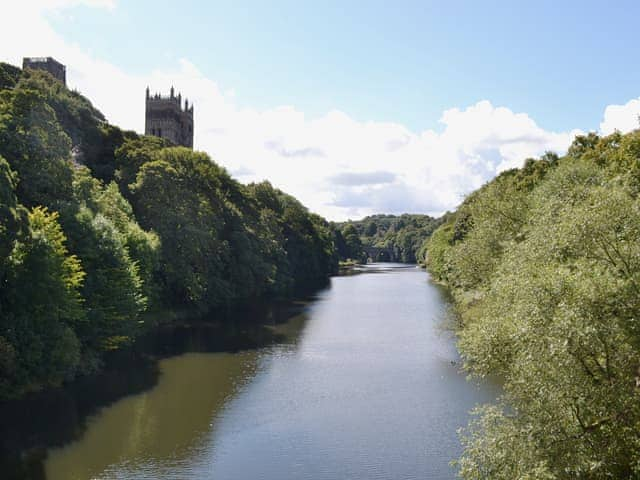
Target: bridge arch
379	254
383	256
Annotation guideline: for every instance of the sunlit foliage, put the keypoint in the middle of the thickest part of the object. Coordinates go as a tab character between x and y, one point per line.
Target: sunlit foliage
101	230
544	263
41	308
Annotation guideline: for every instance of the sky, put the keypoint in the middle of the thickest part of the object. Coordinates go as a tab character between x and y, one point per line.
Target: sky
354	107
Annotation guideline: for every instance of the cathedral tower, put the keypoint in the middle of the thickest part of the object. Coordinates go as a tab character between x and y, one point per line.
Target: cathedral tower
166	118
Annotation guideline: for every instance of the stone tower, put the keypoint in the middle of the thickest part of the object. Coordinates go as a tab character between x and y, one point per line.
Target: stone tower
48	64
165	117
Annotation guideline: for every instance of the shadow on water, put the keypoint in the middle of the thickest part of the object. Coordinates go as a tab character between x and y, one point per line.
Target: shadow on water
55	417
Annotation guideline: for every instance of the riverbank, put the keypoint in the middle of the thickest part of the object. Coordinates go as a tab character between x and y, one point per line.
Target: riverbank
544	264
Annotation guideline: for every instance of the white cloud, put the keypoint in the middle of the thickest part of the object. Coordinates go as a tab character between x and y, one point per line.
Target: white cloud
362	179
621	117
337	166
42	5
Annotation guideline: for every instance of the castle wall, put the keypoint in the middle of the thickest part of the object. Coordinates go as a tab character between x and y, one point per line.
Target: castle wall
47	64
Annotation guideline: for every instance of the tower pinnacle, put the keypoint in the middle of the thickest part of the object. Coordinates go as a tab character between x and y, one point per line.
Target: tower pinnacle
165	118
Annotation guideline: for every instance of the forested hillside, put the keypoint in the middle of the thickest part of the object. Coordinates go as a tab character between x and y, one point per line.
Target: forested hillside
404	234
103	229
544	264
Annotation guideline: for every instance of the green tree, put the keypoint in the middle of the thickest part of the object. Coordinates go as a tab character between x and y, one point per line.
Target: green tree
340	245
404	234
371	229
546	279
9	75
12	215
151	225
353	242
41	306
113	290
178	196
36	147
75	115
141	246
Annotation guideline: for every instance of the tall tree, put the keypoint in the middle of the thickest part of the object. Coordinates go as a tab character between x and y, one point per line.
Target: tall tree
41	307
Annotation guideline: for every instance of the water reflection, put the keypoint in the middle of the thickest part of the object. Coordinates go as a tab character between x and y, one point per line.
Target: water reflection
162	426
36	429
361	383
58	416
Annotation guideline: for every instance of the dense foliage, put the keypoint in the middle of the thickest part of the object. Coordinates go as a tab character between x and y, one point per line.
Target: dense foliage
101	229
544	263
403	234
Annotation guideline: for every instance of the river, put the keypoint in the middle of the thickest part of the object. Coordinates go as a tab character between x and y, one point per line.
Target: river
359	382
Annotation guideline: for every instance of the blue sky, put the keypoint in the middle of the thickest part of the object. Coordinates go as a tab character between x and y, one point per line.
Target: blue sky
353	107
561	62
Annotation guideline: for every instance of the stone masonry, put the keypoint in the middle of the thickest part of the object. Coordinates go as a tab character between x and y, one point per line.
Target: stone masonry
48	64
165	118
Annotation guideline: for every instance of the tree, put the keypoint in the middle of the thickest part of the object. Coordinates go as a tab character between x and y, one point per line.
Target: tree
353	242
36	147
404	234
41	306
340	244
178	196
546	279
141	246
12	214
97	225
9	75
371	229
112	290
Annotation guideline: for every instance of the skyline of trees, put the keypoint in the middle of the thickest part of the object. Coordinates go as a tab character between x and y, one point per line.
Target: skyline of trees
103	232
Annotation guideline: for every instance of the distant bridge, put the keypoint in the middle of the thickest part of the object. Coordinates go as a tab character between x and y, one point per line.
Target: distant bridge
380	254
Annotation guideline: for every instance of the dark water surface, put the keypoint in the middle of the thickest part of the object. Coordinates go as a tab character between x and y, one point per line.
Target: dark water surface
361	382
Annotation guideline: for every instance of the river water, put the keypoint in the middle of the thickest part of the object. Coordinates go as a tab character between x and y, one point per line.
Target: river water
360	382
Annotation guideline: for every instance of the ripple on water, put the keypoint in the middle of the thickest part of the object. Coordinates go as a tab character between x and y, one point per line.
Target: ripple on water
364	387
